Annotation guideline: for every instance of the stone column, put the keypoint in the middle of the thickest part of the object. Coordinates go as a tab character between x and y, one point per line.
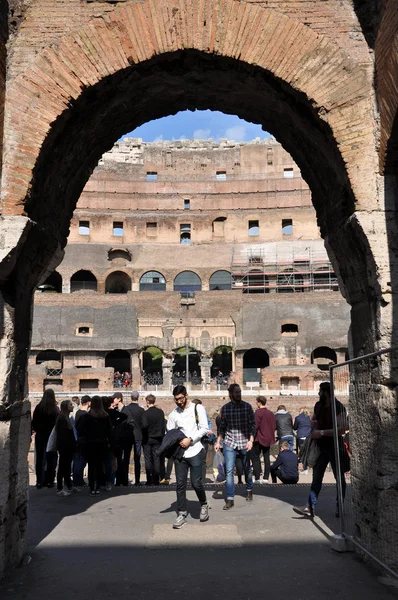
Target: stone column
135	370
205	370
238	372
66	284
167	368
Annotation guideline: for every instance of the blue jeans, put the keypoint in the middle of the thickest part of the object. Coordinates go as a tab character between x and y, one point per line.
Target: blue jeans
289	439
230	455
79	463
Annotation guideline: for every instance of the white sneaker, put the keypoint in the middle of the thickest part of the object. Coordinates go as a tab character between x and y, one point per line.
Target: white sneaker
64	493
304	472
257	481
264	481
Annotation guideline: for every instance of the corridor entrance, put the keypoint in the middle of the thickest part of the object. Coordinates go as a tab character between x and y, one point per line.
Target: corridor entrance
80	80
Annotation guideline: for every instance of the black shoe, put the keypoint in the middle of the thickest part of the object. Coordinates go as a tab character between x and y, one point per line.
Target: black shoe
228	504
249	497
39	486
50	485
304	511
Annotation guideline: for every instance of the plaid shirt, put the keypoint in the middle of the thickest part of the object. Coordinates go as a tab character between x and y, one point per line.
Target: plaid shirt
237	424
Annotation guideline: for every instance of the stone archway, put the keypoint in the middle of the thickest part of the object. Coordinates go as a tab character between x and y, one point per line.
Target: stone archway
316	100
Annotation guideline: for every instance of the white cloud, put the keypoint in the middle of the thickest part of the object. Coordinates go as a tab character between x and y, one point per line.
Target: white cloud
201	134
237	133
158	139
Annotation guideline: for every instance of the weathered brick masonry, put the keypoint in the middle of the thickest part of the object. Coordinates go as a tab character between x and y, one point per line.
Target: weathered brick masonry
305	71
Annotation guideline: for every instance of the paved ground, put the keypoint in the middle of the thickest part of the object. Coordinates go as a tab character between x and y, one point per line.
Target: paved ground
121	545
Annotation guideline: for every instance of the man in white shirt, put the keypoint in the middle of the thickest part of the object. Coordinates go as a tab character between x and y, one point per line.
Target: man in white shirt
193	423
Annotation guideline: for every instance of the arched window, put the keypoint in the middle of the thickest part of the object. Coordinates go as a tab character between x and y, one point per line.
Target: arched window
117	283
187	281
222	364
220	280
152	281
180	373
254	360
255	282
152	363
119	253
47	356
53	284
323	356
83	281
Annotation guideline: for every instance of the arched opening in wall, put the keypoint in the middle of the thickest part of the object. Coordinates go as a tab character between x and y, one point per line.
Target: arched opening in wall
83	281
220	280
49	356
186	366
256	282
53	284
117	283
289	281
120	362
222	364
77	139
152	362
152	281
322	357
254	360
120	256
187	281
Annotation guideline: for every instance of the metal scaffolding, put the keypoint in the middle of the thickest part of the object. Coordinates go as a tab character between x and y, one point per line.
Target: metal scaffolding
281	268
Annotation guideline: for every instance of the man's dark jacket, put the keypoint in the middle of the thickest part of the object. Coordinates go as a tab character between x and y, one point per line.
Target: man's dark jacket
170	445
287	463
135	418
156	423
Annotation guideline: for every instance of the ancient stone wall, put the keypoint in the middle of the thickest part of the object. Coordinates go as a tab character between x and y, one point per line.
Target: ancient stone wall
3	67
307	76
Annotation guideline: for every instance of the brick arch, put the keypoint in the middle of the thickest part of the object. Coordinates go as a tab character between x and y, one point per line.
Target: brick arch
110	44
386	52
247	60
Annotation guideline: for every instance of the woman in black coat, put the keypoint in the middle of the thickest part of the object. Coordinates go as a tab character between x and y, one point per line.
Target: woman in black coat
95	432
43	422
66	447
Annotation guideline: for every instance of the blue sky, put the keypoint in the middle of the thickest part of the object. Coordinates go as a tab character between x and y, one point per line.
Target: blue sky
200	124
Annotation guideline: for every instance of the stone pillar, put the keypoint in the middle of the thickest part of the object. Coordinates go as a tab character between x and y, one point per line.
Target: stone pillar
238	372
167	368
233	357
135	370
205	370
66	285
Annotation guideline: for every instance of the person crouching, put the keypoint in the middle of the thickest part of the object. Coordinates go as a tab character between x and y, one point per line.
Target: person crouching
285	467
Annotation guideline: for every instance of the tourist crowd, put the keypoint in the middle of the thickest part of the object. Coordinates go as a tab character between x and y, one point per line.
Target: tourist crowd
102	433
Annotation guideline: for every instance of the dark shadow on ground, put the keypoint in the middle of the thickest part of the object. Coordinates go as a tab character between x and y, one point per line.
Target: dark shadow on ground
303	571
50	509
